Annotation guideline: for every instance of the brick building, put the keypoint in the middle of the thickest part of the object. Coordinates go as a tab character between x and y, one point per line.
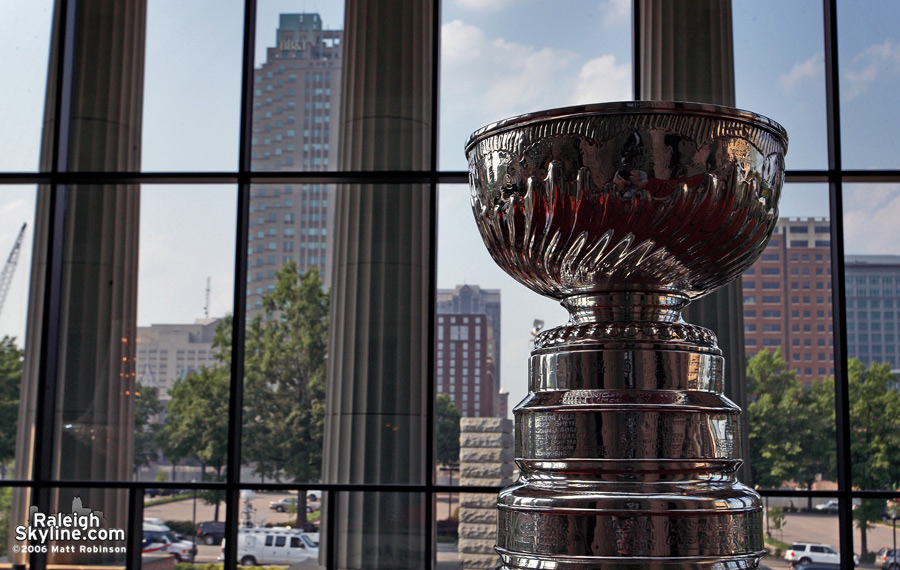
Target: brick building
468	348
787	298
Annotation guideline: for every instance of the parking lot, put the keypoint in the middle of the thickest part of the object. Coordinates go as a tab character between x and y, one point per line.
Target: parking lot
798	527
183	510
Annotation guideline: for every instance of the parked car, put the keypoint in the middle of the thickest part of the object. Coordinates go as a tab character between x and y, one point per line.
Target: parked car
804	553
829	507
211	532
276	545
285	504
161	539
888	559
290	504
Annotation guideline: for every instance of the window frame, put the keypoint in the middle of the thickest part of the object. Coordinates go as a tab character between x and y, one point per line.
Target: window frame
58	178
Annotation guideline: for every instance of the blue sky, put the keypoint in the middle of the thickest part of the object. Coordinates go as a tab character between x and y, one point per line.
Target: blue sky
500	58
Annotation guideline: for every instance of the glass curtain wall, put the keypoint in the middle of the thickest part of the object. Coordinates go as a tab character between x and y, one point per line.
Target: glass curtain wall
239	297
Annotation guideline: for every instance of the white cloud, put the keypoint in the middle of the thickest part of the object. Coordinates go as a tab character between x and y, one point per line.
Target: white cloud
485	79
602	79
868	66
490	78
616	13
870	219
460	42
857	81
803	72
884	51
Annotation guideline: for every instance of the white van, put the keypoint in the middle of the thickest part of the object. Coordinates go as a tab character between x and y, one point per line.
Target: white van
160	538
276	545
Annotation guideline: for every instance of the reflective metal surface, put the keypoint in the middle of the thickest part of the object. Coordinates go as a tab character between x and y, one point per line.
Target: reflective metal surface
624	212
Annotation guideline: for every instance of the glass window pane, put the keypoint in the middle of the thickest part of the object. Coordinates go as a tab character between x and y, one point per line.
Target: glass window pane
192	86
392	520
465	539
869	45
872	281
25	41
498	62
780	72
789	343
186	285
17	206
485	321
297	87
102	514
195	519
289	254
880	537
802	531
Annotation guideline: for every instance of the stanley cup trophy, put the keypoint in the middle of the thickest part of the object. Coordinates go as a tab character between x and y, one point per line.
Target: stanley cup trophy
625	212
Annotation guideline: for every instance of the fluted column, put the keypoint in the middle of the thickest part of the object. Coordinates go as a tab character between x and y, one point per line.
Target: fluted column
94	407
377	397
686	54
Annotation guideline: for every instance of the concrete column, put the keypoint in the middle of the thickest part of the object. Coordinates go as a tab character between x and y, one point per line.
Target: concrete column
376	406
486	458
94	408
686	54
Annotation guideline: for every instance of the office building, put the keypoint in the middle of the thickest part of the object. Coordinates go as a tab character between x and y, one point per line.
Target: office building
168	352
787	298
468	349
873	308
296	101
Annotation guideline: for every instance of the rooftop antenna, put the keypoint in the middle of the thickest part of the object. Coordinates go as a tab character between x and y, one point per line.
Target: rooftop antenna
206	306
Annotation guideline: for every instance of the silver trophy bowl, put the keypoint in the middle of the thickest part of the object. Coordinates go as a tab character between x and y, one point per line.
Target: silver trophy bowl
625	212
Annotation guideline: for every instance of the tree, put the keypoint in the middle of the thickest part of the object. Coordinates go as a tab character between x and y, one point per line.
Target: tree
284	380
197	420
10	383
146	440
286	350
874	438
446	430
776	519
768	373
787	424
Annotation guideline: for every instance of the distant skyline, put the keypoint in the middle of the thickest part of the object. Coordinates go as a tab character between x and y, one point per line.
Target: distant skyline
498	60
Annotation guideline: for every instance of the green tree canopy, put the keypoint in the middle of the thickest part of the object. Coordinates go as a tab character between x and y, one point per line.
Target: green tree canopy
284	388
284	379
10	385
789	424
874	436
146	407
197	420
446	430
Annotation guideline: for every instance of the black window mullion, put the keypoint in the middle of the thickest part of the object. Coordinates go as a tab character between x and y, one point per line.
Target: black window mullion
48	367
432	285
841	380
635	49
239	312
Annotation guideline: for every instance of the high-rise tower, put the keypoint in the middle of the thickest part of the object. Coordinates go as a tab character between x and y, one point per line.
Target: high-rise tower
295	125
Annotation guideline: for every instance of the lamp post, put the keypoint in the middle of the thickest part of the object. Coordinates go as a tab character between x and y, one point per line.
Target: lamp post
450	469
194	519
893	509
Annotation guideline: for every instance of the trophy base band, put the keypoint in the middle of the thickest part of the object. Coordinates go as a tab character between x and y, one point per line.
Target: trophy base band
625	445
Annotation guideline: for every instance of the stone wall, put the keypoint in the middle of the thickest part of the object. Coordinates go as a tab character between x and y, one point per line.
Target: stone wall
486	459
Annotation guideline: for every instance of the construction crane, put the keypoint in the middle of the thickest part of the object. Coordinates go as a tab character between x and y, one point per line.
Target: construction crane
10	267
